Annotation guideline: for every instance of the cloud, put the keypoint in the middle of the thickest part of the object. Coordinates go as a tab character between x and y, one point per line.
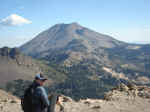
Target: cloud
14	20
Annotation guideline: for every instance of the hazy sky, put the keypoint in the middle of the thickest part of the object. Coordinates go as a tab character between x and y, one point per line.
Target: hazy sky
126	20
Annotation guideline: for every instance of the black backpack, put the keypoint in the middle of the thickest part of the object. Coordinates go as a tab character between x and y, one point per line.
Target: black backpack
27	100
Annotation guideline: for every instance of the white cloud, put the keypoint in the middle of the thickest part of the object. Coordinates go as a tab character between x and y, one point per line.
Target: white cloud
14	20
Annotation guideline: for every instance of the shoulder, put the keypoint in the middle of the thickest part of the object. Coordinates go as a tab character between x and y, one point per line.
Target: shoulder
40	88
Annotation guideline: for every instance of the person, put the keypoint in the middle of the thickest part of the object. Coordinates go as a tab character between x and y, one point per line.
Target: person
35	97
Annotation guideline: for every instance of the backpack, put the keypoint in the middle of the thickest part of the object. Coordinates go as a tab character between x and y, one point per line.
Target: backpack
27	99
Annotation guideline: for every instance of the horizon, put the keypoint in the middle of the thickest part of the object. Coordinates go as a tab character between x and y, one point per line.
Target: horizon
21	21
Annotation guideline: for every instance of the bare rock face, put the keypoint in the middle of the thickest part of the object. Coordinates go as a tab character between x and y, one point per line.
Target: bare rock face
130	90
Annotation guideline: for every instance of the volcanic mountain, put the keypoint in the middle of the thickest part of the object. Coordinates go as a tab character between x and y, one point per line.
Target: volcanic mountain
93	62
68	35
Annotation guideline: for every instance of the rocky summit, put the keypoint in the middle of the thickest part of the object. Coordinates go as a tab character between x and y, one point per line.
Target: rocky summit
124	98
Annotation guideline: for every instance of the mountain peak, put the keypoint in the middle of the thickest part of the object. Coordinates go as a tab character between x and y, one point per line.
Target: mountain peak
67	24
62	27
75	23
60	36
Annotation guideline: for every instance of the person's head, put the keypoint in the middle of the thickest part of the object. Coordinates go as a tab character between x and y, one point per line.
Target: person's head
40	79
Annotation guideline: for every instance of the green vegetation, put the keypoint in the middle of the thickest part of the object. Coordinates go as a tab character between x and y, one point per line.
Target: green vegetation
17	87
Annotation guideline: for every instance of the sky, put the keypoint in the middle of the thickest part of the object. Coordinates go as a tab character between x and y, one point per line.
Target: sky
125	20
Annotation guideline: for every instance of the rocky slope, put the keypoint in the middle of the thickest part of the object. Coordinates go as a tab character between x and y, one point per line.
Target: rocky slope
18	70
121	99
14	65
9	103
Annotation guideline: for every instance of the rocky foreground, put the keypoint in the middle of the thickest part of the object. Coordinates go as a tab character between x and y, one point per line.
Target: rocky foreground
121	99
